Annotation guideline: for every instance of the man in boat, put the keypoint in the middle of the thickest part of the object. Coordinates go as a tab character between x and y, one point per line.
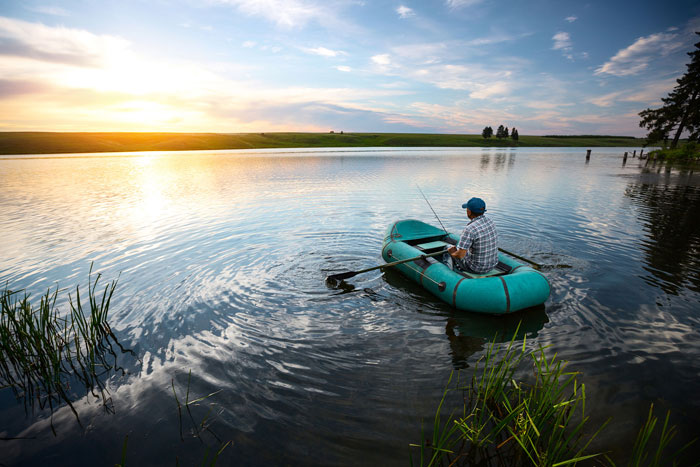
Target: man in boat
477	249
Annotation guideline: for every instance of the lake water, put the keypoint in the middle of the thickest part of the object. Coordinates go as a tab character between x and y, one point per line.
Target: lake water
221	259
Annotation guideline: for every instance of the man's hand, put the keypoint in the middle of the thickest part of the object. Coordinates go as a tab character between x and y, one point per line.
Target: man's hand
457	252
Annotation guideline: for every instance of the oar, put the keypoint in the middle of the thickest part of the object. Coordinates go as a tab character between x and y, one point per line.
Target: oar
349	274
537	266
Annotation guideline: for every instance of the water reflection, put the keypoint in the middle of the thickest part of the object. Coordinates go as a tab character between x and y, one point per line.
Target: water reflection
468	333
670	213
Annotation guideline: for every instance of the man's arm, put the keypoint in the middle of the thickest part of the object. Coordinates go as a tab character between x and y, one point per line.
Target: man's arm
457	252
462	248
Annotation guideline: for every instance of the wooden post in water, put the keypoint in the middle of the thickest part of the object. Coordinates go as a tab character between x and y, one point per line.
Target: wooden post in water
641	153
588	155
624	158
634	154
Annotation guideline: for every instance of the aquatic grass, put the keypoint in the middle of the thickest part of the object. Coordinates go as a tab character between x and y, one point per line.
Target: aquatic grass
541	421
506	422
643	450
204	426
48	359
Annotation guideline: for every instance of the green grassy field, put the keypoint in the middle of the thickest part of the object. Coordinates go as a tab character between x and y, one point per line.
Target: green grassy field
58	143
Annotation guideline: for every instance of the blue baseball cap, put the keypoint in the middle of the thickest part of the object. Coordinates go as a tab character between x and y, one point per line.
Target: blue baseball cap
475	205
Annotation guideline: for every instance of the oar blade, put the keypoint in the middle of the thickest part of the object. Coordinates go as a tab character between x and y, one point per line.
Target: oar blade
342	276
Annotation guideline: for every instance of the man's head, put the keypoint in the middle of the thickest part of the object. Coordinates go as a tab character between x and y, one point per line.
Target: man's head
476	206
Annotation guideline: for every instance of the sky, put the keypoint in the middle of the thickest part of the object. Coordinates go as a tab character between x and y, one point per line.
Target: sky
443	66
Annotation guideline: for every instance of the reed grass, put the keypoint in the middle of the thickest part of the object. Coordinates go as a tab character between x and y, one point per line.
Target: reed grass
541	421
506	422
198	429
49	359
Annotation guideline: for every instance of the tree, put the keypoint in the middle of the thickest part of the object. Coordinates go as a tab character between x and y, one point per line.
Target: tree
500	131
681	109
487	132
514	134
505	132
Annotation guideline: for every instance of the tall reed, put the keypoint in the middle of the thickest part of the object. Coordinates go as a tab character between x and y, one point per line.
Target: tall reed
541	421
48	359
505	422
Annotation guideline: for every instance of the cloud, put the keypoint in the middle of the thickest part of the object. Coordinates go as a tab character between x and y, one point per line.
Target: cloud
343	68
323	52
495	39
562	41
490	90
129	92
49	10
249	44
57	44
648	94
571	19
636	57
461	3
286	13
10	88
405	12
382	59
606	100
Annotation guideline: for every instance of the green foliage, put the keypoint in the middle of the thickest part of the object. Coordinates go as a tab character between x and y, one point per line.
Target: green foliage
45	357
501	132
487	132
681	109
539	422
514	134
199	429
504	422
643	452
689	152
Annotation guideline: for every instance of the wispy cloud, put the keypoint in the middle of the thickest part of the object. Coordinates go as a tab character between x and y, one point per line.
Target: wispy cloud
323	51
648	94
636	57
49	10
562	41
405	12
343	68
57	44
571	18
249	44
461	3
382	59
286	13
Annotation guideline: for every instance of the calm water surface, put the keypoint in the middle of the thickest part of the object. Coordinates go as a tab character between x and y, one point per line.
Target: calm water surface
221	258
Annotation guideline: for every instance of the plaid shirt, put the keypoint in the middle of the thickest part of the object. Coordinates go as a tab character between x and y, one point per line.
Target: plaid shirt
480	240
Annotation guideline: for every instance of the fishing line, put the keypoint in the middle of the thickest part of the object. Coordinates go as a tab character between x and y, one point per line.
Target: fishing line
431	208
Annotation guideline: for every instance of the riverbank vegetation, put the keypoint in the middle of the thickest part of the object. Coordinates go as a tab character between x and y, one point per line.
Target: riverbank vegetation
61	143
539	420
687	153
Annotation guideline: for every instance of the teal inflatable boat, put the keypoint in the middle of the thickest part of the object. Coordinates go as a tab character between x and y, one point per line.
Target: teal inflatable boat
510	287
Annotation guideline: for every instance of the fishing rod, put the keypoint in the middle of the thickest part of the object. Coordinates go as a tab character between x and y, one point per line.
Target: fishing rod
431	208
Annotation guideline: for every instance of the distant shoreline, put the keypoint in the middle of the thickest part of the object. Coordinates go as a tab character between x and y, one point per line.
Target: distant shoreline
12	143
